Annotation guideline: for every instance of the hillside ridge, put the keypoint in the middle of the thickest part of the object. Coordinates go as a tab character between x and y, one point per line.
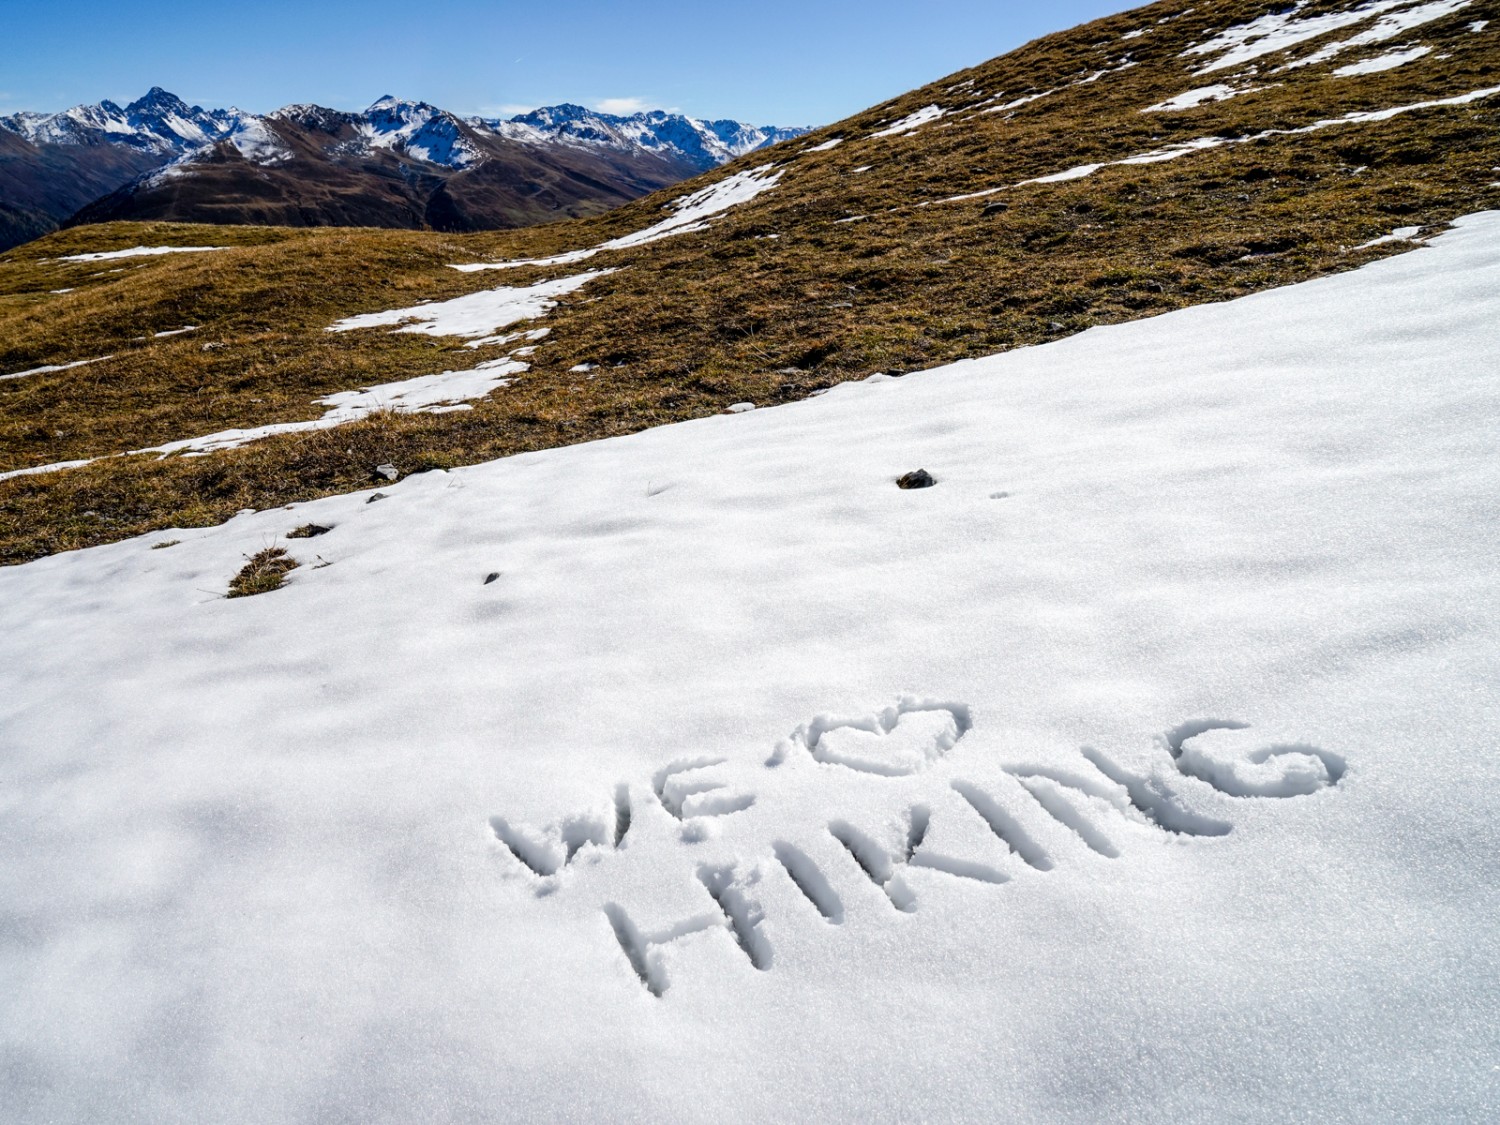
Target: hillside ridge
1174	155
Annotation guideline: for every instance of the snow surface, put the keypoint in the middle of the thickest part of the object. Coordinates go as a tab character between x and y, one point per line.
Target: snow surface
1388	61
442	393
1201	144
911	121
1192	98
258	143
54	467
1400	234
703	774
474	314
827	146
689	214
138	252
1386	28
48	368
690	211
565	259
1279	31
1016	103
425	394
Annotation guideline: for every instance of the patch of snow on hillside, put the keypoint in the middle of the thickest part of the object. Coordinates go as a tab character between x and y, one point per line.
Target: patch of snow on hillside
1400	234
138	252
1017	103
1201	144
1386	28
691	210
474	314
49	368
1479	25
1388	61
827	145
1193	98
911	121
1278	31
556	260
55	467
425	394
1135	771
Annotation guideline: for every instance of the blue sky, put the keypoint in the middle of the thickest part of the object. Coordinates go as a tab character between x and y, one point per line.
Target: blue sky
775	62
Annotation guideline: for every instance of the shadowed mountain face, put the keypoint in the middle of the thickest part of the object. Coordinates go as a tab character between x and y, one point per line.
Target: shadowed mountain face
398	164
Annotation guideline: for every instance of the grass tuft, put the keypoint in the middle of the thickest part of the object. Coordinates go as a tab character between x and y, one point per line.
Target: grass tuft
266	571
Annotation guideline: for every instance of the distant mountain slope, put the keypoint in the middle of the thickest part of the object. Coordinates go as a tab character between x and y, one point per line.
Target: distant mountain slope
1188	152
398	164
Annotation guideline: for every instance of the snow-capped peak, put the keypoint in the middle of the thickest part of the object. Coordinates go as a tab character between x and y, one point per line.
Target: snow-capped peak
162	123
419	130
702	144
157	122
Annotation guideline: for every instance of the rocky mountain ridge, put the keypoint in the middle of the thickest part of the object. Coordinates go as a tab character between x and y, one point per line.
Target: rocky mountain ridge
390	165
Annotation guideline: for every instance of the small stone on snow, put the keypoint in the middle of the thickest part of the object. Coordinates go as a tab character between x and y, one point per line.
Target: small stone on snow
917	478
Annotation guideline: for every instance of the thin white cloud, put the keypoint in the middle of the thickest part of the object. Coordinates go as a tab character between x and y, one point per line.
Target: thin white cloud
507	109
624	107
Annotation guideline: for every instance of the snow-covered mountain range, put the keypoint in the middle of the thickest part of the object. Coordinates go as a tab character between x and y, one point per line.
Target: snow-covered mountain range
160	122
58	164
705	143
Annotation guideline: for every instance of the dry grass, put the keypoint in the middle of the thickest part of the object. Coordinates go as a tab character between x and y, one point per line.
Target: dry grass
702	321
265	571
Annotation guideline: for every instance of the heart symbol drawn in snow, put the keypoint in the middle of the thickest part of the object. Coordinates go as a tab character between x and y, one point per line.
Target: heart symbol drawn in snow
899	741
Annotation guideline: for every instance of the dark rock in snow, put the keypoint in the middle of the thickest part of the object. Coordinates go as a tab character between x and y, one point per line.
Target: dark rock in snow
491	576
917	478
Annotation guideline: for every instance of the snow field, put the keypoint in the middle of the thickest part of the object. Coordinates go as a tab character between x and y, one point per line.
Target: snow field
138	252
1280	31
47	369
690	213
1136	771
474	314
1200	144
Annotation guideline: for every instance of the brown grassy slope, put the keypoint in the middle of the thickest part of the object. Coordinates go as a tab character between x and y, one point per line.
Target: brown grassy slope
703	320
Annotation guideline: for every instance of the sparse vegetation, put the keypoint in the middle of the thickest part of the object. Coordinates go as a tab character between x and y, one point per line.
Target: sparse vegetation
265	571
308	531
702	321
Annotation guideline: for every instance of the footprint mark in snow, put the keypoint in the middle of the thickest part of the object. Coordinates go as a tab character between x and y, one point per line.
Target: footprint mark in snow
1195	764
